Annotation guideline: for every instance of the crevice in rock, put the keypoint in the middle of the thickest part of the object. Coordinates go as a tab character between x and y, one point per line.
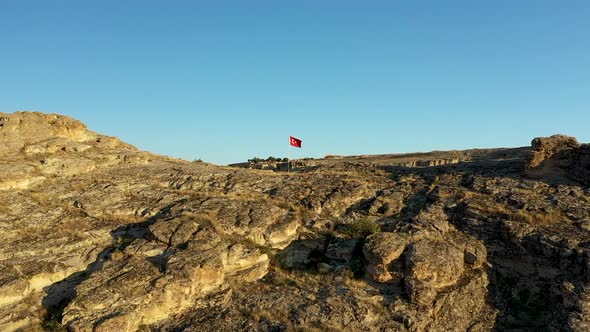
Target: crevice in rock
61	293
161	261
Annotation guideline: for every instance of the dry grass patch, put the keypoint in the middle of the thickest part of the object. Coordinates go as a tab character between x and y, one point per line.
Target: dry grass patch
492	208
489	207
538	218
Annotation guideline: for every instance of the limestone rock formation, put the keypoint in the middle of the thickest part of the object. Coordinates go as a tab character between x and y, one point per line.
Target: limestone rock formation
98	236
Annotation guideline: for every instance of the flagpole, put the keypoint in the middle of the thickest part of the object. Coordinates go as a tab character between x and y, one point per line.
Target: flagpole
289	156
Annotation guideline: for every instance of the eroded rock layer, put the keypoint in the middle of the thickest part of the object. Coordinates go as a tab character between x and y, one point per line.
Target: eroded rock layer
98	236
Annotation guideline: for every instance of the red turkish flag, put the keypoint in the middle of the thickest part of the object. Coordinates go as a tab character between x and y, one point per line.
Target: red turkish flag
296	142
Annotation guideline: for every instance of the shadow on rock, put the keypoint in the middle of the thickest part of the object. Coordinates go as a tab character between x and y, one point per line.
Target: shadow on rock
60	294
526	273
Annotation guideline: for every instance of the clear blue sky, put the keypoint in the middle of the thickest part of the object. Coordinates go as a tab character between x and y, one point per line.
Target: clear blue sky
229	80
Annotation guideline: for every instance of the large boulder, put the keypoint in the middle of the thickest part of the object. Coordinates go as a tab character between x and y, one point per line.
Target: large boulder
380	250
432	265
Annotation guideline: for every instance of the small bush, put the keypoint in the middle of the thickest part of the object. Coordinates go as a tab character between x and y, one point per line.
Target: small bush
359	228
53	326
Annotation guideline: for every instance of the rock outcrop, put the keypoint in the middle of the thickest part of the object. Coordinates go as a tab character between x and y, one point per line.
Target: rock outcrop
98	236
544	148
559	155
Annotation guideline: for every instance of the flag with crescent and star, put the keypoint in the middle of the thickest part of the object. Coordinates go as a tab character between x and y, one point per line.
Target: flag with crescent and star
296	142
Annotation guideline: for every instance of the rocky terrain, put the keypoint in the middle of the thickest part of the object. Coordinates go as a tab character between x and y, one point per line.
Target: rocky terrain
425	159
98	236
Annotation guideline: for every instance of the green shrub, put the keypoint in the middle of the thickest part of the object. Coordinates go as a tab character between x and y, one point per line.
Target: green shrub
359	228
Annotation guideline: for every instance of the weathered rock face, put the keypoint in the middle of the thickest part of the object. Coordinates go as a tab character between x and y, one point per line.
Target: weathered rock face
559	155
581	168
380	250
137	288
97	236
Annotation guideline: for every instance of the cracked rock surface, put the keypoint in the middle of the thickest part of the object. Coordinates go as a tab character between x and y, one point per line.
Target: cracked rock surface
98	236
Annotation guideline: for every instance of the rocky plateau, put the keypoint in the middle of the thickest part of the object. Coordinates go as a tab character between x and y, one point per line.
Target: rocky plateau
99	236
